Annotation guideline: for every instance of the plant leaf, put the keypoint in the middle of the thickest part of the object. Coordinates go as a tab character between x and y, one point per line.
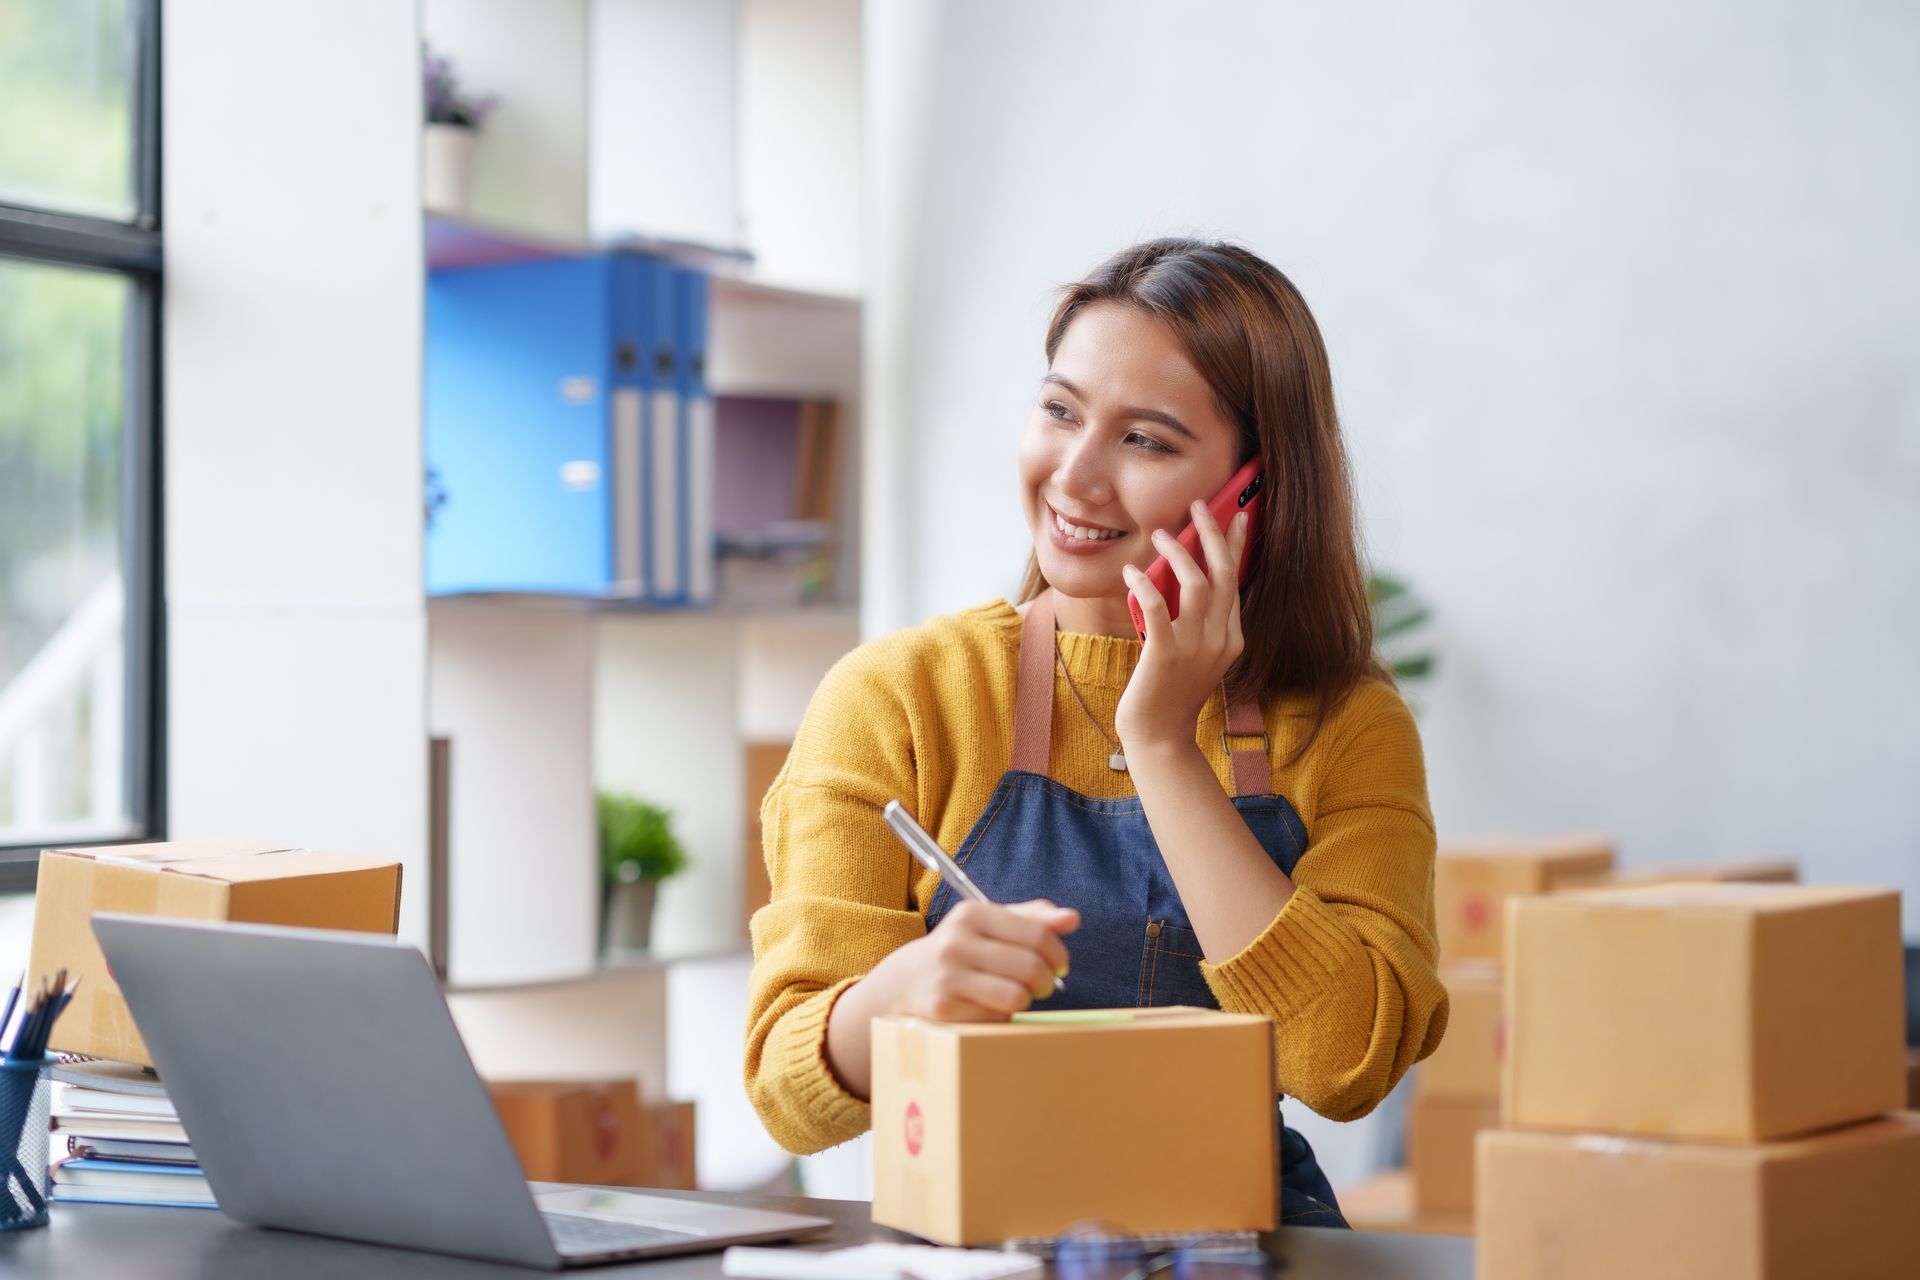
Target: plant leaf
1416	667
1402	623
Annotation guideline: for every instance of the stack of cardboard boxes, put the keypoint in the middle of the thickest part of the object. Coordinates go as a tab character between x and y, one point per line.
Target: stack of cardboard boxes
1698	1080
1456	1094
1457	1090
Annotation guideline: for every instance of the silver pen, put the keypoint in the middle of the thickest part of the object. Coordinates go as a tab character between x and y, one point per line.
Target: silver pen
927	851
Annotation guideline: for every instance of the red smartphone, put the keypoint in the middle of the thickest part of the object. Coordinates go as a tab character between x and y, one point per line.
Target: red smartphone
1241	493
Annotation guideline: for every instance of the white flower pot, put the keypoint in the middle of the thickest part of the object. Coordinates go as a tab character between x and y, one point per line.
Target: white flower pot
447	177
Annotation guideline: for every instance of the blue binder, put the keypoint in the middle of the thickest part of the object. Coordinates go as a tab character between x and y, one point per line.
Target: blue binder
516	428
633	382
666	444
552	391
697	432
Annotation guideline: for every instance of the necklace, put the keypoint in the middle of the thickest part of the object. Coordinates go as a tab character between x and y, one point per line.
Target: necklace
1118	760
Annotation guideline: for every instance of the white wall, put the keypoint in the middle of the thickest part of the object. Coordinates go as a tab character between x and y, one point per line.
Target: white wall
610	1026
1619	304
662	105
296	627
530	162
782	662
511	686
799	139
665	716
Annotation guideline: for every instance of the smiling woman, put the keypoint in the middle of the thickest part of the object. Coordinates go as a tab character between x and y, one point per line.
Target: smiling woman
1251	834
1109	456
1196	347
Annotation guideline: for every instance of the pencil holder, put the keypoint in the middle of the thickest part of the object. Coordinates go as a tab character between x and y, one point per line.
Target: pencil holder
25	1089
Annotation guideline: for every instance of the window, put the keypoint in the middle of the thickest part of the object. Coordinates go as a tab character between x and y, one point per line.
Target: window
81	690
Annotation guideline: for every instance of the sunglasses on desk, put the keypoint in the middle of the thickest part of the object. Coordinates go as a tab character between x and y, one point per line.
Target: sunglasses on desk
1087	1254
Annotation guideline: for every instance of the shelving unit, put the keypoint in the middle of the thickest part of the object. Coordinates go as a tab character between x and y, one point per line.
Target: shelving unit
832	613
630	685
454	241
612	694
636	690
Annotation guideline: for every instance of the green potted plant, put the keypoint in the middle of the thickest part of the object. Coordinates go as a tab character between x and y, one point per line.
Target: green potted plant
637	851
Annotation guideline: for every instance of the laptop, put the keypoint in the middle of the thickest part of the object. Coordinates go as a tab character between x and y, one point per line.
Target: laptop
325	1089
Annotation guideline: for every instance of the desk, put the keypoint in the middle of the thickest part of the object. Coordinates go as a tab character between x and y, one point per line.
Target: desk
188	1244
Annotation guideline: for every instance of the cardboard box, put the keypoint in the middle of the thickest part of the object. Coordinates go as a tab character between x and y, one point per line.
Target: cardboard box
1472	882
671	1146
764	762
600	1132
1384	1202
1726	871
1440	1137
1584	1207
1146	1120
1739	1012
1467	1063
577	1131
239	880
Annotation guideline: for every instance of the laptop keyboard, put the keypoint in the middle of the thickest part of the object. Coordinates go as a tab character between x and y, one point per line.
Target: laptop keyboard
574	1234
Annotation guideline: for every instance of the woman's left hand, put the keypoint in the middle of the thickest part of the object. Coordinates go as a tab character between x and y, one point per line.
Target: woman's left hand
1185	658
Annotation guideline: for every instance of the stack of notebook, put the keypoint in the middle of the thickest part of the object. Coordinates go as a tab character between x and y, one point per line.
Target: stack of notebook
117	1139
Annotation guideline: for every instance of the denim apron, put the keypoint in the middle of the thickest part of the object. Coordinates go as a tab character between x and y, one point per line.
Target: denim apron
1135	945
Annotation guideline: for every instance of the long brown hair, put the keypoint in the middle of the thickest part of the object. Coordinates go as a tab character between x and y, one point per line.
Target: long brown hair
1304	610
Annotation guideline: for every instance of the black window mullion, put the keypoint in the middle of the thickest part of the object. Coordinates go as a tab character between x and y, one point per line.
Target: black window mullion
134	250
145	659
146	99
41	235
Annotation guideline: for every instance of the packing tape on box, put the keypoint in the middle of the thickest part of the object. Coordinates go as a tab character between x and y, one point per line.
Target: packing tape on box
913	1060
110	1019
122	860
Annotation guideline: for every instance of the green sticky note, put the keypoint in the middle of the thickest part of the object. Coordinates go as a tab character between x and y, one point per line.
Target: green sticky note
1073	1015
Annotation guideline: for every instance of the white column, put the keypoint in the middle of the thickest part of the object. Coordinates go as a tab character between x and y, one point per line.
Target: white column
898	63
296	680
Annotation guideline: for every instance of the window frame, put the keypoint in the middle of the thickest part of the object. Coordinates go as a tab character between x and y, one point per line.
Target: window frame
131	250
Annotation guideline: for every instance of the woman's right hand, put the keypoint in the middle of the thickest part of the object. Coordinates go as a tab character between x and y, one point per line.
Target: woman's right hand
982	963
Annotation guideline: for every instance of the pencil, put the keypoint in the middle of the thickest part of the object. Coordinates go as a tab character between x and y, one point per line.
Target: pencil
13	998
927	851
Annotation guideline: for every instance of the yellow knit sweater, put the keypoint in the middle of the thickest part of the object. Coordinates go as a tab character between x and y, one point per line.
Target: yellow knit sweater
925	716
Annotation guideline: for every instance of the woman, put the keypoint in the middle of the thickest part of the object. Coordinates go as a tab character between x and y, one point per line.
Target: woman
1233	814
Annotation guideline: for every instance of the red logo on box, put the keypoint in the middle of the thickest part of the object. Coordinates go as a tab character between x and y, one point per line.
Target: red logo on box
1475	913
916	1129
606	1133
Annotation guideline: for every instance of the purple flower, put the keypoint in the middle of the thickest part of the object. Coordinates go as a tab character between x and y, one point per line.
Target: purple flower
445	102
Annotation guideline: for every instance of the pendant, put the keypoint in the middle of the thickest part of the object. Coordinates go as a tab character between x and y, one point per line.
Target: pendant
1117	762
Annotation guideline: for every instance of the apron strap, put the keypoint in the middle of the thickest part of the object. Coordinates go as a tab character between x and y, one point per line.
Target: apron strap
1033	689
1252	762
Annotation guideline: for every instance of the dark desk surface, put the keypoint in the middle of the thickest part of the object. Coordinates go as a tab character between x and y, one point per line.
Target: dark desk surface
193	1244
